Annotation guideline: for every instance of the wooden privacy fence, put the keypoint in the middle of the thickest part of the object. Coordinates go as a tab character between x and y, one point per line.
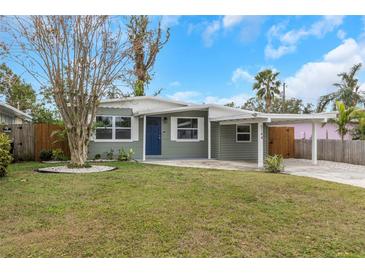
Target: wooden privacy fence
281	141
46	139
28	140
351	151
22	137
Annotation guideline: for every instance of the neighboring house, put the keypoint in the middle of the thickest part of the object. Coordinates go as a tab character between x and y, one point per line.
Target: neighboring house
157	128
11	115
325	131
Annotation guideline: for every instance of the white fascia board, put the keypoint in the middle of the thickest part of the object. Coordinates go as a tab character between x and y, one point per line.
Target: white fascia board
273	116
171	110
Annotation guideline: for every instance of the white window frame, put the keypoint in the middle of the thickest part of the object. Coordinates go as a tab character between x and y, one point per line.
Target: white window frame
114	140
177	130
243	133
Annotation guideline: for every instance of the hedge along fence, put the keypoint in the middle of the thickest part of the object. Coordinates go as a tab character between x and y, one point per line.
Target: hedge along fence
349	151
28	140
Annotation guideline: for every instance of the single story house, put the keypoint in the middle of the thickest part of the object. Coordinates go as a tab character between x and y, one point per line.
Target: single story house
158	128
12	115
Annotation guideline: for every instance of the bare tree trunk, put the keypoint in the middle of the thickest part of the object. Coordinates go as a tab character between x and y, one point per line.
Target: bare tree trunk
78	141
268	104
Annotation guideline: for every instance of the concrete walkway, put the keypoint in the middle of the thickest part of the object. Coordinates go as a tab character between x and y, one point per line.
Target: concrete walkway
325	170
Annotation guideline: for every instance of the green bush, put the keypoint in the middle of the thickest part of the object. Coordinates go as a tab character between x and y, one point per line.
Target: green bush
46	155
58	155
125	156
5	156
274	164
97	156
110	155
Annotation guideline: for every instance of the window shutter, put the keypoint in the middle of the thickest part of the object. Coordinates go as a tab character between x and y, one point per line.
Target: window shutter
134	128
201	128
173	128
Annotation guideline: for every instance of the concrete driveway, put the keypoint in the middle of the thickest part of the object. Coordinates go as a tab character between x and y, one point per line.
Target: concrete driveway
325	170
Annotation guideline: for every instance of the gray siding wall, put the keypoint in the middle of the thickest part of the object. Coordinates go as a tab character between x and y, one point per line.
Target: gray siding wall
175	150
169	149
6	119
103	147
225	147
214	140
223	140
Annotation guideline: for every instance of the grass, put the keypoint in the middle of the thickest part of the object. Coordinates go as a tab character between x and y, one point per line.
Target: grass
155	211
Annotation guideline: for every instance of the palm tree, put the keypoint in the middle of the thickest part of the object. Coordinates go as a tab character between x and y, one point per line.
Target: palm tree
267	86
359	116
344	117
348	90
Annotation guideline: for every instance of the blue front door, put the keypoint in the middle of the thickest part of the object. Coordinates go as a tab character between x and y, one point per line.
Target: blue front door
153	136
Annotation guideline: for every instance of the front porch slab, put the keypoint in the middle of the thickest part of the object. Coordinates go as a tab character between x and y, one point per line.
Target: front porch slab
209	164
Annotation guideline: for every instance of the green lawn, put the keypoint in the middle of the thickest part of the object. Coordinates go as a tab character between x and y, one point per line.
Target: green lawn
154	211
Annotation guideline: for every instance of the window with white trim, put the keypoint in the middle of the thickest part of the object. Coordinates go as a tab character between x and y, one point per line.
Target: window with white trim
187	128
243	133
113	128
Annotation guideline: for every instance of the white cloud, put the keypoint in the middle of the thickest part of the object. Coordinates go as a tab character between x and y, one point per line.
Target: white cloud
210	32
289	40
314	79
169	21
249	27
199	98
175	84
240	74
341	34
238	99
188	96
232	20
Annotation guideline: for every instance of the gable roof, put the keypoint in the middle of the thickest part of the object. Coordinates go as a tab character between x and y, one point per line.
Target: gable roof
14	111
137	98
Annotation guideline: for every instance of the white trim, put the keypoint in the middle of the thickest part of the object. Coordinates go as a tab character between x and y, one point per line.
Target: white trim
112	141
144	138
113	128
243	133
173	110
197	129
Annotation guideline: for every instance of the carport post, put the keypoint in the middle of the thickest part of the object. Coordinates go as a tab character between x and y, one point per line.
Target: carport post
209	140
144	138
314	143
260	145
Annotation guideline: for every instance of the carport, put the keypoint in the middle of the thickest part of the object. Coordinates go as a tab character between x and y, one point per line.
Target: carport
271	119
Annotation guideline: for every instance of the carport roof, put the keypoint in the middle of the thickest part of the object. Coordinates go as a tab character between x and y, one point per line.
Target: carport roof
277	117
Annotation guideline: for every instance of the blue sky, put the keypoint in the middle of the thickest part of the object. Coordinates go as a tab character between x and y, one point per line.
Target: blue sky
213	58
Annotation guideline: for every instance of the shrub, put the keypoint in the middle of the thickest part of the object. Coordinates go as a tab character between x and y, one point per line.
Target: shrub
71	165
58	155
274	164
125	156
110	154
97	156
46	155
5	156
